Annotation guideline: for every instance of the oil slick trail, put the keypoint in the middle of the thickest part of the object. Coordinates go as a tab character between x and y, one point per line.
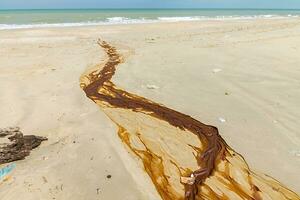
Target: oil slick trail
184	158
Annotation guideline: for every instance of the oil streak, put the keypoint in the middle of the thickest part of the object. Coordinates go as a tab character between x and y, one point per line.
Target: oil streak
214	151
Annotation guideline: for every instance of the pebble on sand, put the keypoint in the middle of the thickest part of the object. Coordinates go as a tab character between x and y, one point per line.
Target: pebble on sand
108	176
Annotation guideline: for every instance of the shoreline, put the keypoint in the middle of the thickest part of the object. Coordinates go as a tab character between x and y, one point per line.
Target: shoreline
7	27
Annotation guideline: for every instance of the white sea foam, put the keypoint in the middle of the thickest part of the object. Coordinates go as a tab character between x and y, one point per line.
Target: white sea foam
125	20
45	25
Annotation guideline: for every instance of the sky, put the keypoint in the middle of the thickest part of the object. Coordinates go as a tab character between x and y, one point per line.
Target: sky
47	4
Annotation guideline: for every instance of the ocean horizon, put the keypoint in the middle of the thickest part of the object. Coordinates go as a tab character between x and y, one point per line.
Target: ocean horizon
34	18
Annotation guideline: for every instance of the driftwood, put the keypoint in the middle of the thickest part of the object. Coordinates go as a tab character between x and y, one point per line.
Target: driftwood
16	146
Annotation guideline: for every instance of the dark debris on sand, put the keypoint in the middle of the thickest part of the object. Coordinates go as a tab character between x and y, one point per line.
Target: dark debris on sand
16	146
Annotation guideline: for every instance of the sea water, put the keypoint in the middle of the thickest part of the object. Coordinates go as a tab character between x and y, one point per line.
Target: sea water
14	19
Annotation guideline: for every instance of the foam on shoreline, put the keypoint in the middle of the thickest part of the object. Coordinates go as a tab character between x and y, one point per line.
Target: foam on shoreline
125	20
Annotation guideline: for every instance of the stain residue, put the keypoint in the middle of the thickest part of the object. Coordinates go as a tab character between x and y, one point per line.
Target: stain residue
184	158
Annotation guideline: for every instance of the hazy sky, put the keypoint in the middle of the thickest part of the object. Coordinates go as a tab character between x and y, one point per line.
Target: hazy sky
19	4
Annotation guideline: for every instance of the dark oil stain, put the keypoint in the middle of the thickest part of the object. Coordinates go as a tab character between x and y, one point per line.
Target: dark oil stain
213	151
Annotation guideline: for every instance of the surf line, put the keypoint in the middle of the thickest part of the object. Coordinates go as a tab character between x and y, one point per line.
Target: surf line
214	150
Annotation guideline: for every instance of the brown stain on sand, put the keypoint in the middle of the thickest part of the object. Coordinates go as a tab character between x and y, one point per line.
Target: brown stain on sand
221	173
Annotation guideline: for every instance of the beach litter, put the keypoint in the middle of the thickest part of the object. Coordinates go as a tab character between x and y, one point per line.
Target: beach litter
4	171
152	87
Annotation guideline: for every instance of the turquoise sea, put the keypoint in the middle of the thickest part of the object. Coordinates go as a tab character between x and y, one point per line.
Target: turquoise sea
12	19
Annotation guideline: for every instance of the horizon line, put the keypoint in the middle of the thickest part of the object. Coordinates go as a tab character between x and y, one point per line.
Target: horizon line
141	8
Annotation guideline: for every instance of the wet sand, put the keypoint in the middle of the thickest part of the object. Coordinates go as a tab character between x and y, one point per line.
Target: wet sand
246	73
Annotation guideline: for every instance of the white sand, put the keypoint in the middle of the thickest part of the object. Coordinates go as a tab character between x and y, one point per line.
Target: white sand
39	92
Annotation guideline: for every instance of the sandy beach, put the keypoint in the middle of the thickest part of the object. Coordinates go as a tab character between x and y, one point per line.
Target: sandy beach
241	76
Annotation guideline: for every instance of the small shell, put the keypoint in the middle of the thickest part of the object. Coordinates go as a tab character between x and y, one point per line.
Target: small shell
216	70
221	119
